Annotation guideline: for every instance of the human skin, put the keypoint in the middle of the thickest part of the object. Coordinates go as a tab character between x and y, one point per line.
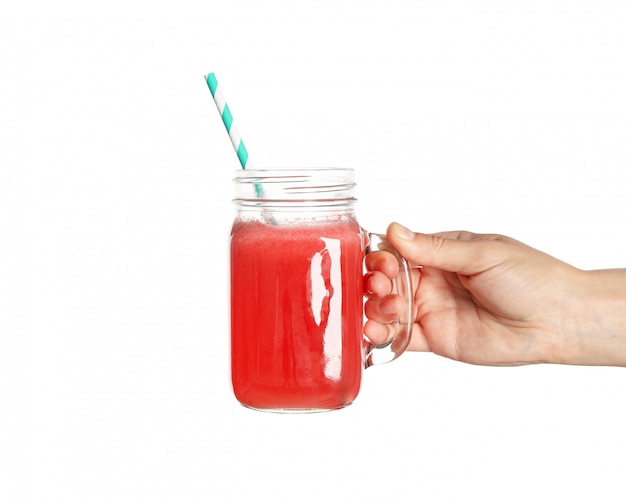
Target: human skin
491	300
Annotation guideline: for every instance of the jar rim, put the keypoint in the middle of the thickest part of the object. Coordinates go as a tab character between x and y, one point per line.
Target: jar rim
325	185
291	172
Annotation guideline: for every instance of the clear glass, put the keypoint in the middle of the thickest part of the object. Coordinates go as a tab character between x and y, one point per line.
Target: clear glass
297	255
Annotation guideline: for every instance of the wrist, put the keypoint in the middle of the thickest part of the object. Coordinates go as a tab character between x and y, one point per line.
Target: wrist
596	331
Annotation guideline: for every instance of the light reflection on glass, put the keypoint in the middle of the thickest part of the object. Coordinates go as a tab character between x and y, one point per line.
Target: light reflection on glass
326	302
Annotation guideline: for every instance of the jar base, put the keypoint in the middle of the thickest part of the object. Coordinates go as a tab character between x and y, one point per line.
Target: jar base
295	410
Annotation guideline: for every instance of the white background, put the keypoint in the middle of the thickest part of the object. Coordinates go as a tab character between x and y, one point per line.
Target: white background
490	116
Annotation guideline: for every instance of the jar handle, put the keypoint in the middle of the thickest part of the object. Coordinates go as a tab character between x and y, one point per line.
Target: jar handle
400	329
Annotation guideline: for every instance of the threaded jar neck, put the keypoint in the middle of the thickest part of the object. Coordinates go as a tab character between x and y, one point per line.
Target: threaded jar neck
314	187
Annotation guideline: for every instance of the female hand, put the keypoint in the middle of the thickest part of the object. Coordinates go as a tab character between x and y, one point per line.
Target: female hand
489	299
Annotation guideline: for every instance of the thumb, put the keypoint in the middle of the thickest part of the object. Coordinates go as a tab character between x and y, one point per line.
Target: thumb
459	252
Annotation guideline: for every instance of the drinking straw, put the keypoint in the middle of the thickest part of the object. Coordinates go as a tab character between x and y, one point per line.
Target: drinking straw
233	133
227	118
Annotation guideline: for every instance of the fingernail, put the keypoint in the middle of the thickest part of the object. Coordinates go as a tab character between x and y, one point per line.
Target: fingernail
403	232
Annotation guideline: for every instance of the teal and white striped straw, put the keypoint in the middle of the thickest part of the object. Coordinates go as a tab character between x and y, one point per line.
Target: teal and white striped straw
227	118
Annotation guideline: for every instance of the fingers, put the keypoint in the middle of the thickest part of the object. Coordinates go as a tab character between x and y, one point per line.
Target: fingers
383	268
380	333
382	261
460	251
382	307
377	284
381	312
385	309
377	333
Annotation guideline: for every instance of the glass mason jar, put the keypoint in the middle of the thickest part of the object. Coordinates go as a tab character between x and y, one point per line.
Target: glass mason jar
297	253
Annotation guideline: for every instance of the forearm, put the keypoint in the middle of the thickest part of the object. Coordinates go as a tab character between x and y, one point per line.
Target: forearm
599	326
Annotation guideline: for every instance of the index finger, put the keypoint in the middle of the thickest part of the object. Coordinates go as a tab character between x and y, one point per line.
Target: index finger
382	261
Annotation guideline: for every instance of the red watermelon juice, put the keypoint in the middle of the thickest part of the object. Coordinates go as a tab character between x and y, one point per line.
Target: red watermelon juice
296	313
